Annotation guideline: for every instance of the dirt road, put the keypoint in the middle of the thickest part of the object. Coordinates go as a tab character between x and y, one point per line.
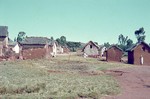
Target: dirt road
135	83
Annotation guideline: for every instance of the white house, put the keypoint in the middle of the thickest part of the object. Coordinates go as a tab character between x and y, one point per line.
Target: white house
91	49
102	50
14	46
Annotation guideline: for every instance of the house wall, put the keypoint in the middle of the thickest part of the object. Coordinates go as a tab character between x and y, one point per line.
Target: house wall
113	54
54	49
3	45
59	50
145	53
102	51
16	49
91	51
66	50
4	41
34	53
131	57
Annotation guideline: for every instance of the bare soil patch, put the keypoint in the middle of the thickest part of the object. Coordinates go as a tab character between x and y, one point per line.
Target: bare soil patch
135	82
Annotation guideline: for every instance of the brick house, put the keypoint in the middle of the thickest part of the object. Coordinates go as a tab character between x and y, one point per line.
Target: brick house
114	53
37	47
3	39
91	49
137	51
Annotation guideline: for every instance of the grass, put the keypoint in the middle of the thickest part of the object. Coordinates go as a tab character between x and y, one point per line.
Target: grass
64	77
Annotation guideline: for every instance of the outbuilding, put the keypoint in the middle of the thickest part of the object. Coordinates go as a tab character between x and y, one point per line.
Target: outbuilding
114	53
139	54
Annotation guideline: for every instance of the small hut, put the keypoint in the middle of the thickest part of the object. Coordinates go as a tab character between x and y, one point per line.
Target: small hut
114	53
139	54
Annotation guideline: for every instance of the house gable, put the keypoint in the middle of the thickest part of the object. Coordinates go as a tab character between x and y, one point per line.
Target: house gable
114	53
137	51
91	49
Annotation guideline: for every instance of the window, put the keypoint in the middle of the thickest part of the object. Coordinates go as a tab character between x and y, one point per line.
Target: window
143	48
90	46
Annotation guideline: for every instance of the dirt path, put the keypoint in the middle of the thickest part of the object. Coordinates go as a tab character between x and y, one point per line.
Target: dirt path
135	83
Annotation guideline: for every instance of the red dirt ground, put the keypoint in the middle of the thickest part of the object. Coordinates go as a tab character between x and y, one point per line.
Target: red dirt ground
135	83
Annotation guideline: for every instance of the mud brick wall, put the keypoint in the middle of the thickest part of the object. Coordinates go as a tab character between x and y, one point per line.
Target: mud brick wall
66	50
134	56
34	53
113	54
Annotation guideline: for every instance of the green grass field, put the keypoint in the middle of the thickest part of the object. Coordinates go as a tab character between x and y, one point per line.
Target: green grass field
63	77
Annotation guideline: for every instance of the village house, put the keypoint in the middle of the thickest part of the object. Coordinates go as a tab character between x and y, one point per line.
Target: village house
114	53
102	50
60	49
37	47
3	39
14	46
66	49
91	49
139	54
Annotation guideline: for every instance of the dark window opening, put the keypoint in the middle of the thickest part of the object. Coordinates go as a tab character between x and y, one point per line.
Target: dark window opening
143	48
91	46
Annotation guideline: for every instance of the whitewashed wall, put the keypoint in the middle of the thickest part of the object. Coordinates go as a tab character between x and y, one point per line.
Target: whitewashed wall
91	51
16	49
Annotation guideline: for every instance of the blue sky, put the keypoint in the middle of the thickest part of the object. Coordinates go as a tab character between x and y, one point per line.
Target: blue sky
78	20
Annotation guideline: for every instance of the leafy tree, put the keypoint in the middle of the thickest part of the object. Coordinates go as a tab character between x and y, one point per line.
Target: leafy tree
63	40
140	35
21	36
129	43
73	46
58	40
124	42
96	43
106	44
51	38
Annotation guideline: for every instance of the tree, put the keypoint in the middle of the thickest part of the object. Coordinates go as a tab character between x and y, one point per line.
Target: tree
106	44
140	35
124	42
51	38
58	40
63	40
129	43
73	46
21	36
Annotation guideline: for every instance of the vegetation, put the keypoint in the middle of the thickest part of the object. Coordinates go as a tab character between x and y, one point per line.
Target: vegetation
21	36
140	35
62	77
73	46
124	43
107	44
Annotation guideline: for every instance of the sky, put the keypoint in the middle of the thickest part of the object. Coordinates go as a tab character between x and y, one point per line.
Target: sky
78	20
